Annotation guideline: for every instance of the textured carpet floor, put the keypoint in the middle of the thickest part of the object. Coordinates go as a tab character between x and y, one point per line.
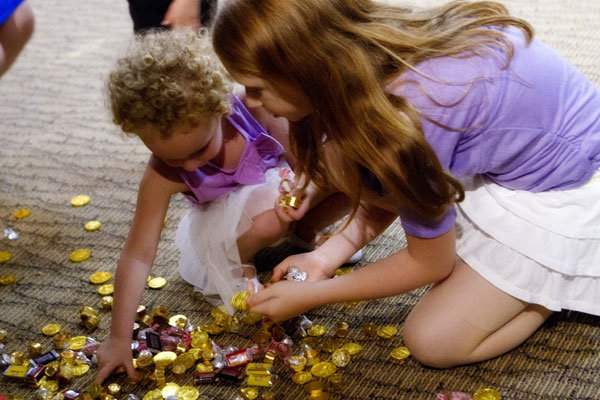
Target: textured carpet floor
57	141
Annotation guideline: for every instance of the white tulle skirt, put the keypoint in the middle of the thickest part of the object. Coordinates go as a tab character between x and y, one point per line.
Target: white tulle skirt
207	239
542	248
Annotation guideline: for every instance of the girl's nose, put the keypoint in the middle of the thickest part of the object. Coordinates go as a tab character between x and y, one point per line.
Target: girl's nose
252	102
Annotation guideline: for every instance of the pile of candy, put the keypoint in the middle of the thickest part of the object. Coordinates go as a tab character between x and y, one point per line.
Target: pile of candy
165	346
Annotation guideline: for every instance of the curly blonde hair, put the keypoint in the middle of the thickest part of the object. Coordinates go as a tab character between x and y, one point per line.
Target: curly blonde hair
167	78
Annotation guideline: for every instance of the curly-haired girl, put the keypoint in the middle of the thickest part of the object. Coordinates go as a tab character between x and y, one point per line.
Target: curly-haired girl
171	91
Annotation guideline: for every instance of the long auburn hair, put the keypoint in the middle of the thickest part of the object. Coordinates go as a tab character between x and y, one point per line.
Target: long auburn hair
341	54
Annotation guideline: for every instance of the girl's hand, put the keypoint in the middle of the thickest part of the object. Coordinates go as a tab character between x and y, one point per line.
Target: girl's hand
283	300
289	214
112	354
313	263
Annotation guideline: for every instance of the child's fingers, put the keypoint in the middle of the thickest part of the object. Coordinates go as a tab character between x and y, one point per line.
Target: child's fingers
131	372
279	271
258	298
103	373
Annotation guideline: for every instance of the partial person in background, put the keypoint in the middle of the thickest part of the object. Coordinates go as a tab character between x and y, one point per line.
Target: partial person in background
16	27
168	14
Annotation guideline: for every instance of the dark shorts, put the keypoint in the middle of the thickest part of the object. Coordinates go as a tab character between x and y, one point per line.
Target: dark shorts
148	14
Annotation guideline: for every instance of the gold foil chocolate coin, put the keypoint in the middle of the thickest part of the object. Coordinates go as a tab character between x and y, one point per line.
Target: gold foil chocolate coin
352	348
302	377
92	225
100	277
80	369
400	353
157	283
323	369
188	393
77	343
6	280
79	255
81	200
51	329
238	301
4	256
153	395
164	358
22	213
249	393
487	394
340	358
316	330
170	389
106	289
387	332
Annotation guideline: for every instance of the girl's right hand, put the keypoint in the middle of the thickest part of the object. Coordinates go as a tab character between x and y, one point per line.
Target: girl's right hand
313	263
114	353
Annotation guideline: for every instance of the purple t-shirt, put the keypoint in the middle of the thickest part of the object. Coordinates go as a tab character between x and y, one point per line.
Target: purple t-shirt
211	181
534	126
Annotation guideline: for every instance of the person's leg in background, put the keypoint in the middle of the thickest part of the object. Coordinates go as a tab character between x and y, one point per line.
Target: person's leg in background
162	14
15	31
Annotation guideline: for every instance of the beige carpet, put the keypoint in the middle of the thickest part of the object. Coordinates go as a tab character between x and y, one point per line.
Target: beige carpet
57	141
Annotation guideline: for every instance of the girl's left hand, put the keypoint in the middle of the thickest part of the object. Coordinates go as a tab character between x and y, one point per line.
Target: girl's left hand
290	214
283	300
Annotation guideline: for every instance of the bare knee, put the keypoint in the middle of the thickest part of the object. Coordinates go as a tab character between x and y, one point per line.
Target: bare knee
429	344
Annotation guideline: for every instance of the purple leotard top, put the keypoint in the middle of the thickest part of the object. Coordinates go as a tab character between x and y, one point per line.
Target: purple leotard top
211	181
534	126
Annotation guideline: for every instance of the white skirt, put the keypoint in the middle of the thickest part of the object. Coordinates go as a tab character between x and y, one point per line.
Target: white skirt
542	248
207	239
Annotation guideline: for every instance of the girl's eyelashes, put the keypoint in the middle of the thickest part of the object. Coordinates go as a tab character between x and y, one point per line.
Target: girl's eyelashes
252	91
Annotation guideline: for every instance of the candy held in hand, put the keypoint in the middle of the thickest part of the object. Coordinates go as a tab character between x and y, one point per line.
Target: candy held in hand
294	274
238	301
289	200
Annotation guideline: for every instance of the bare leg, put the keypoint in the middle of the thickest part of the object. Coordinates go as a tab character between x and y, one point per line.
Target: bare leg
327	211
465	319
14	34
266	229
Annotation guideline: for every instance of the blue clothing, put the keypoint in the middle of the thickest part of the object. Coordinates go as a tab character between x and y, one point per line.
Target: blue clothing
534	126
7	7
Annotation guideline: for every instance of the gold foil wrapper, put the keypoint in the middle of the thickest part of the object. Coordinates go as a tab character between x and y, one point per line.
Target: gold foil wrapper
22	213
400	353
302	377
100	277
34	350
323	369
340	358
51	329
80	255
387	332
487	394
61	340
369	329
80	200
157	283
92	226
